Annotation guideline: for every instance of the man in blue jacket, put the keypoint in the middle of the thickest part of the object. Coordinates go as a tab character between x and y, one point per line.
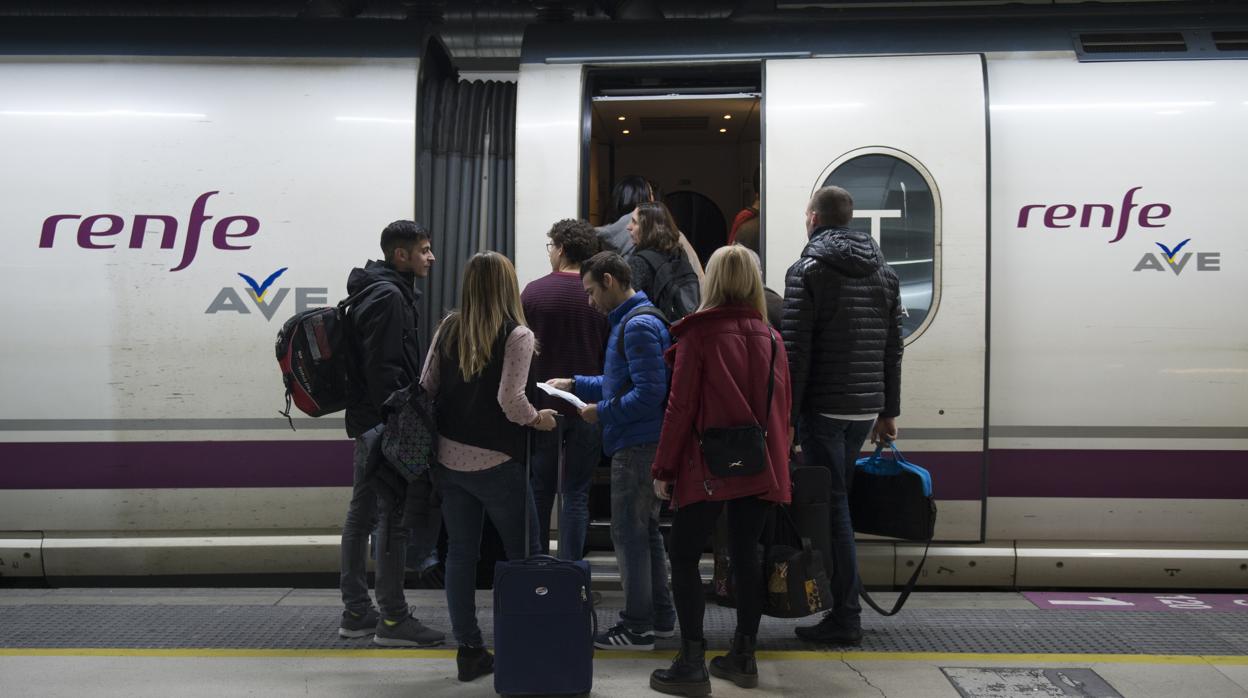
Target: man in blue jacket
629	400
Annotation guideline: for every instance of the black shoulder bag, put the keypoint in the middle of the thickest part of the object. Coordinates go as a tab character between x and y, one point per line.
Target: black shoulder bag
738	451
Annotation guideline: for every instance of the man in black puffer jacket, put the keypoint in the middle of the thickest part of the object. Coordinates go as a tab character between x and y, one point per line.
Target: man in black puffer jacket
384	322
842	331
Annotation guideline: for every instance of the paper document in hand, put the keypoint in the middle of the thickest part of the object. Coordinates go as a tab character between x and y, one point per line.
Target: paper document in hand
563	395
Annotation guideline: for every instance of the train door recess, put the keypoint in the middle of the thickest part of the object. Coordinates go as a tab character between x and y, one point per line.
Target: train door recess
907	136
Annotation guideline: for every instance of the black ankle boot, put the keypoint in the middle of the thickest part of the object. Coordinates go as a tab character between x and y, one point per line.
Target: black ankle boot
687	676
474	662
738	666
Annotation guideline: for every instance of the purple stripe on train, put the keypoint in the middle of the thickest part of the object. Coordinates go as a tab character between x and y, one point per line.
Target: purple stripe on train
1119	474
955	475
169	464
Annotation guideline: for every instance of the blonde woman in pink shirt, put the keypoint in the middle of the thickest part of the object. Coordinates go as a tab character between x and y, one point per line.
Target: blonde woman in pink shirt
477	372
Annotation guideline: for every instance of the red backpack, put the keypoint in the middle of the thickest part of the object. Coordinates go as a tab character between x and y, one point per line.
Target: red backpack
314	352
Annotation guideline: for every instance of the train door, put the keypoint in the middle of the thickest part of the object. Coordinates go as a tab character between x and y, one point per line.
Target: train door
907	136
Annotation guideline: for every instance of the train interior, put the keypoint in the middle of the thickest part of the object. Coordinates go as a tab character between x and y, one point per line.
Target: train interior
695	133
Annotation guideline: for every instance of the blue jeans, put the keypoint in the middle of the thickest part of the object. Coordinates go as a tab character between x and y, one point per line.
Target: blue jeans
365	511
835	444
638	544
582	449
467	497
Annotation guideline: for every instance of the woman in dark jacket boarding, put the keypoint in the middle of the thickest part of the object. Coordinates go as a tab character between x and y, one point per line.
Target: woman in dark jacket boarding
722	364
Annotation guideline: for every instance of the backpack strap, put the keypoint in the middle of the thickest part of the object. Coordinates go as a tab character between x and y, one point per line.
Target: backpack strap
635	312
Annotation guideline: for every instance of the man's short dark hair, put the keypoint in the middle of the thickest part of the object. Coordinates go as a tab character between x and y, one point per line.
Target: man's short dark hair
405	234
605	263
833	205
576	238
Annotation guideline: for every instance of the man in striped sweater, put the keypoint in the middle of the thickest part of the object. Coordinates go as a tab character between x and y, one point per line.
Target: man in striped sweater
571	337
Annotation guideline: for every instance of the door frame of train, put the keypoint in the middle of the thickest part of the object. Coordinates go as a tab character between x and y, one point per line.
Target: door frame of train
953	452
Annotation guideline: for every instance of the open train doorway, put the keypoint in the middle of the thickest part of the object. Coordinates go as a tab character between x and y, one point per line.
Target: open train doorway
694	132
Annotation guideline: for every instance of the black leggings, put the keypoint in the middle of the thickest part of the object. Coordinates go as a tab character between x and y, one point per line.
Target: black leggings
691	529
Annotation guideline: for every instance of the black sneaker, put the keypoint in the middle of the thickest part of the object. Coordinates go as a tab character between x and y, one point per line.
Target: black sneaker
621	638
408	632
357	625
830	631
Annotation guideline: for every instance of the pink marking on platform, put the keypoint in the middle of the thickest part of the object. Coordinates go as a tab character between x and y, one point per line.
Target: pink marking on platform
1104	601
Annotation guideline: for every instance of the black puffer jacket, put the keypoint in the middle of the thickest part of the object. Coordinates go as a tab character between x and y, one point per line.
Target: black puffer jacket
385	340
842	327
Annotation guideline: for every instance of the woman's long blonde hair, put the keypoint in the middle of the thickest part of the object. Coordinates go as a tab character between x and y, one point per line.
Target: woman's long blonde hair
733	276
490	297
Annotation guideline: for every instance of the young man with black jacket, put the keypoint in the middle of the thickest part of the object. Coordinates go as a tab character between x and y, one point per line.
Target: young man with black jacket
384	322
842	330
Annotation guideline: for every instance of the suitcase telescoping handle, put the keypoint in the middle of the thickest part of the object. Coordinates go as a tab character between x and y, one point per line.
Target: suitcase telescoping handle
528	481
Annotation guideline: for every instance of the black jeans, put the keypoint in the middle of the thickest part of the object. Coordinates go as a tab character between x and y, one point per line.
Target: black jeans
691	529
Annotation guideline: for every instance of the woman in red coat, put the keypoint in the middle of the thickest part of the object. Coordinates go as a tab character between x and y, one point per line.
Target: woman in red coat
722	360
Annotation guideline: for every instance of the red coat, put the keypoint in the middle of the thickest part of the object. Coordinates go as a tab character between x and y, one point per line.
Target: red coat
719	379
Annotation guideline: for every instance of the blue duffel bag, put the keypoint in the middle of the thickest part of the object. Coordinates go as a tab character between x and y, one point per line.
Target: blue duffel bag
892	497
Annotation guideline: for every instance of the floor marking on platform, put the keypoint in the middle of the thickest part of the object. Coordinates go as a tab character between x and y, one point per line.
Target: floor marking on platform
1174	601
775	655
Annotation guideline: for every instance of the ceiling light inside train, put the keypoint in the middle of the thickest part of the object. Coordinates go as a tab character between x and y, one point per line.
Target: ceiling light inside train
723	130
619	118
727	116
625	132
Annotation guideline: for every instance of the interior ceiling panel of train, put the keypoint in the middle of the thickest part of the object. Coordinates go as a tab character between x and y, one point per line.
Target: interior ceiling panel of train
487	34
688	121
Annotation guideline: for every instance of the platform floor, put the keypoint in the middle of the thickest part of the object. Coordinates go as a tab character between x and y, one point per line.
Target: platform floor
141	642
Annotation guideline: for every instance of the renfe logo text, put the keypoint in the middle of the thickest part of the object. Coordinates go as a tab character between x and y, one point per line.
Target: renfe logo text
97	232
1104	216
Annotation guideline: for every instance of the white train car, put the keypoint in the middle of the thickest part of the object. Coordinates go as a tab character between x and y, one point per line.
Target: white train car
1076	369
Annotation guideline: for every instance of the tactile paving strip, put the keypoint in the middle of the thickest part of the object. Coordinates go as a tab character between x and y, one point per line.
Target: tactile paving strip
917	630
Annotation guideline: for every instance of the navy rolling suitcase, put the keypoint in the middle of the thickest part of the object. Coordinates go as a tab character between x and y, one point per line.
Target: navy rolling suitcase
544	625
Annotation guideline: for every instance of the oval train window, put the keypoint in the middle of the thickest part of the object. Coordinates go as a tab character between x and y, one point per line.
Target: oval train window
896	200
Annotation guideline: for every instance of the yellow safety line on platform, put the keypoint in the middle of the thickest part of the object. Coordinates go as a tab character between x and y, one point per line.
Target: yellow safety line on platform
780	655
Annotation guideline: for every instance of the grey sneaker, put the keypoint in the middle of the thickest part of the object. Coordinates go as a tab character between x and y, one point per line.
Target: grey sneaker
408	632
356	625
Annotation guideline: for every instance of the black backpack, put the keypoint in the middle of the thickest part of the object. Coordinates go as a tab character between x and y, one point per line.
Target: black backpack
315	356
676	289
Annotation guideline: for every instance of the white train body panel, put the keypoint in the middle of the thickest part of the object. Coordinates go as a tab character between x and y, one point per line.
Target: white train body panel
1106	376
112	345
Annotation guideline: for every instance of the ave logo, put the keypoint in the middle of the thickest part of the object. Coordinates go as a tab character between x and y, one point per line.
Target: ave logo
228	299
1176	260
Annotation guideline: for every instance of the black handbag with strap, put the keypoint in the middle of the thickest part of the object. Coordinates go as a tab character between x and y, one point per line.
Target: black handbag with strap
739	451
